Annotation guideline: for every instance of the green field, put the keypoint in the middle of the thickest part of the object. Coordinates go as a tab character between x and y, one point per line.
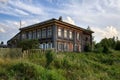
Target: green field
61	66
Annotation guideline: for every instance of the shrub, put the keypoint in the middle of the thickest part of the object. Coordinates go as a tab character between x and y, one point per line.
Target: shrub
50	55
54	75
28	44
88	48
98	48
25	71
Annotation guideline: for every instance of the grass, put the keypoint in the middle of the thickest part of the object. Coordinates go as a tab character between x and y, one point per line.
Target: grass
63	66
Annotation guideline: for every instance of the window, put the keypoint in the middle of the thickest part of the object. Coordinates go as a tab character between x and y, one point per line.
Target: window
39	34
44	33
23	36
44	46
41	46
65	47
34	34
59	32
65	33
70	34
86	39
30	35
59	46
49	45
49	32
78	36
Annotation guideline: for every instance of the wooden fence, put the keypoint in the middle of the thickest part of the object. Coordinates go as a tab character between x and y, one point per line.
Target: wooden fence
17	52
10	52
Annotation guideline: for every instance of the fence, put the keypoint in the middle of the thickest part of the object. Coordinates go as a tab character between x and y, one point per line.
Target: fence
17	52
10	52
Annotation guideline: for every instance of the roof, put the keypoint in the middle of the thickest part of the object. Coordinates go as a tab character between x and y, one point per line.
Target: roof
14	36
56	21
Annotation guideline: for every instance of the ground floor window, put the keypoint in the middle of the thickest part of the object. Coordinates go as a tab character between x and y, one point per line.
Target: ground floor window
77	47
59	46
46	45
65	47
70	46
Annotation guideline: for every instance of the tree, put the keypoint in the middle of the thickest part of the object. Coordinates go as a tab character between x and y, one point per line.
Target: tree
117	47
28	44
98	48
88	48
2	42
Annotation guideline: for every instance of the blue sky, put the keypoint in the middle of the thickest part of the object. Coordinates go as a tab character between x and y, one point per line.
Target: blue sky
101	15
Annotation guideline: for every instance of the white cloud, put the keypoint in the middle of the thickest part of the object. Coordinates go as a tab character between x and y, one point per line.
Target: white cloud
98	13
2	30
27	7
21	12
3	1
70	20
107	32
12	11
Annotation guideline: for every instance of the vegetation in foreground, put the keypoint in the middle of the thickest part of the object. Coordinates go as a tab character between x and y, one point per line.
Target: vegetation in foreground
61	66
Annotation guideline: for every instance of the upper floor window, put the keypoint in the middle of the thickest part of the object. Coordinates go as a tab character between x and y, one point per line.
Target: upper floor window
39	34
30	35
34	34
44	33
65	33
59	32
49	32
23	36
70	35
78	36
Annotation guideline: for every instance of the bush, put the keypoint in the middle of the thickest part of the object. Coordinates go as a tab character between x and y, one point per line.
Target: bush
98	48
50	55
54	75
88	48
28	44
25	71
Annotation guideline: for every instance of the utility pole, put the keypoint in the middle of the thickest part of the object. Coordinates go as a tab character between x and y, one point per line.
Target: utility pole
20	24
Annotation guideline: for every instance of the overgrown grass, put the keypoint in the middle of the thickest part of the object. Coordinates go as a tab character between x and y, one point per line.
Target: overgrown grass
62	66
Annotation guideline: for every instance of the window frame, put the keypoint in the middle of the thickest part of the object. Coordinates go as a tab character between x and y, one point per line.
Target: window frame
65	33
43	33
59	32
49	32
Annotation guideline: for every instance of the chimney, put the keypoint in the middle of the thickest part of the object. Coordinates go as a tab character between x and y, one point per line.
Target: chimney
60	18
88	28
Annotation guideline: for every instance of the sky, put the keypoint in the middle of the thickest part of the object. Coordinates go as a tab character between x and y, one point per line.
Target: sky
102	16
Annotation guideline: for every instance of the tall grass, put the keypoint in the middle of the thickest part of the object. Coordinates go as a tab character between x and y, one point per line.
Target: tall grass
62	66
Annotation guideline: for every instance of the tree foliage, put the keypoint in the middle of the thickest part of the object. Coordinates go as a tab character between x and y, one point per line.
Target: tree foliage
88	47
105	45
28	44
117	47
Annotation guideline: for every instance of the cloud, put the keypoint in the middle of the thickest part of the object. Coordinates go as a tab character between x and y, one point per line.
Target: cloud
27	7
99	13
2	30
20	8
12	11
3	1
70	20
21	12
107	32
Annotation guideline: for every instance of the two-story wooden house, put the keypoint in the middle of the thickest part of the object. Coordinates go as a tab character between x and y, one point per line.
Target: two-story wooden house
57	34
